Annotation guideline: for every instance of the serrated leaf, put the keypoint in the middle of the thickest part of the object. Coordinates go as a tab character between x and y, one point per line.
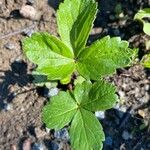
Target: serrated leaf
59	111
53	58
103	58
94	97
75	20
86	132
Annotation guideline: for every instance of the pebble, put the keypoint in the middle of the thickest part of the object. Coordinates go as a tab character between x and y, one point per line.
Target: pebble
53	91
109	141
28	32
39	133
30	2
54	146
38	146
28	11
62	134
9	46
142	113
100	114
126	135
8	106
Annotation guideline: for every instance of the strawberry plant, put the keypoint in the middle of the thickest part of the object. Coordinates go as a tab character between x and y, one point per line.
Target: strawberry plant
58	59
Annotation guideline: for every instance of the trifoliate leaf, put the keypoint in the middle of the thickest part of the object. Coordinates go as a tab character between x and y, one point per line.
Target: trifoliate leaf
103	57
53	58
75	20
94	97
59	111
86	132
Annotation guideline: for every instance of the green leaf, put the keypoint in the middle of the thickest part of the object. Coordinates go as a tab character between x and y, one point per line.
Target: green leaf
146	61
93	97
59	111
146	28
86	132
75	20
103	58
144	13
53	58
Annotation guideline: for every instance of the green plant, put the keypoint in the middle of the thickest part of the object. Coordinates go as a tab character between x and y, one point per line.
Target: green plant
141	15
59	59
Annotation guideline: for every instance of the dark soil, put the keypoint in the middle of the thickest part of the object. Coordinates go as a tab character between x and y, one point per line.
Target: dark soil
127	125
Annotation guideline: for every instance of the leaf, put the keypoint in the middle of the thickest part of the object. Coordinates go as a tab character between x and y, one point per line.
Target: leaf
144	13
146	61
86	132
59	111
53	58
103	58
94	97
146	28
75	20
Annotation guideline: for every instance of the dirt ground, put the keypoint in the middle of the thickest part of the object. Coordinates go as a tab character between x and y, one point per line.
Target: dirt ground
127	125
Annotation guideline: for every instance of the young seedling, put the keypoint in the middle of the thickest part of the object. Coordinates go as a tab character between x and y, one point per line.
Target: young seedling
58	59
141	15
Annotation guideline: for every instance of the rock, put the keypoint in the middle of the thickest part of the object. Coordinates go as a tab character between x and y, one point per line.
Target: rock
54	146
126	135
38	146
39	133
62	134
28	32
142	113
30	2
8	106
109	141
28	11
9	46
100	114
53	91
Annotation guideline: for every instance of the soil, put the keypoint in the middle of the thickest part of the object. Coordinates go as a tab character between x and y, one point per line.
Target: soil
127	125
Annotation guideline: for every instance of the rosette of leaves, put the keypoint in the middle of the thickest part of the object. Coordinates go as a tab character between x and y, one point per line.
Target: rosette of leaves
59	58
77	108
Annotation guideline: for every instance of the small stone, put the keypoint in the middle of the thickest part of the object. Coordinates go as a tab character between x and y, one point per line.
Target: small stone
142	113
52	92
121	94
38	146
48	130
109	141
62	134
39	133
28	11
126	135
54	146
8	106
30	2
100	114
28	32
9	46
